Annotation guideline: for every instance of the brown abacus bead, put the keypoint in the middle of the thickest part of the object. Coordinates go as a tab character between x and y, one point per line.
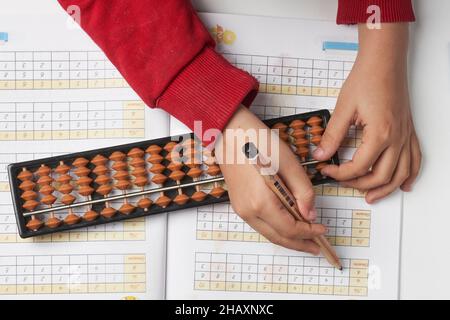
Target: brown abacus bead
281	127
314	121
170	146
316	131
316	140
154	149
47	189
301	142
29	196
298	133
303	152
155	159
297	124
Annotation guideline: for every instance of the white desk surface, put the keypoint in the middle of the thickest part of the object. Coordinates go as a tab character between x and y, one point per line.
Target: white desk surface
425	253
425	257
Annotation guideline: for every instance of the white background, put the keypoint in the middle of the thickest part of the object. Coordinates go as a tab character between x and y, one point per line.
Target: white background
425	271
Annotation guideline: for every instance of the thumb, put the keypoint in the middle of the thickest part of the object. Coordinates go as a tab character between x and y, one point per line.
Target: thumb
335	133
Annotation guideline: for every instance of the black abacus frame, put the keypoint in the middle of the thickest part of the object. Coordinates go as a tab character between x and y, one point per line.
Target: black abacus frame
14	170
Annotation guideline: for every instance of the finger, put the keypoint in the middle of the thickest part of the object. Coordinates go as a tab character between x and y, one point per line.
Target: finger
295	244
335	132
297	181
276	215
366	155
382	172
401	174
416	162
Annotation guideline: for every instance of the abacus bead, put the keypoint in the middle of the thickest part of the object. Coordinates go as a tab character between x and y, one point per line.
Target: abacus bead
82	171
316	140
136	153
163	201
177	175
297	124
302	152
80	162
48	199
84	181
173	166
53	222
194	172
72	219
108	212
301	142
189	143
25	175
157	168
181	199
64	179
127	208
122	184
217	192
155	159
99	160
121	175
30	205
62	169
103	179
139	171
137	162
101	170
91	215
120	165
34	224
65	188
284	136
199	196
141	181
314	121
213	170
298	133
170	146
316	130
85	191
68	199
27	185
104	190
154	149
45	180
43	171
159	178
46	190
117	156
144	203
29	195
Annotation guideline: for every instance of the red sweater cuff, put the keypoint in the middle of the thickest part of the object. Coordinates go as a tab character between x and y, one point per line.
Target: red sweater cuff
355	11
209	90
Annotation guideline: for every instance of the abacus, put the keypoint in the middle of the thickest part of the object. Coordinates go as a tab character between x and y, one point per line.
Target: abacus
123	182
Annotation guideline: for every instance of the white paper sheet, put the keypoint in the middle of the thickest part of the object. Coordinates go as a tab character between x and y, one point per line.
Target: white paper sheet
213	254
59	94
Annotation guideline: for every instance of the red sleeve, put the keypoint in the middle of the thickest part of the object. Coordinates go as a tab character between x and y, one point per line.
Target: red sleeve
167	56
355	11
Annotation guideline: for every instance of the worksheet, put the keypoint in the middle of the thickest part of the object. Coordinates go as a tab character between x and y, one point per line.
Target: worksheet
301	65
60	94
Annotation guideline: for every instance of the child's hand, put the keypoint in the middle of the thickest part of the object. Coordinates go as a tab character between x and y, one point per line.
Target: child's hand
375	96
257	204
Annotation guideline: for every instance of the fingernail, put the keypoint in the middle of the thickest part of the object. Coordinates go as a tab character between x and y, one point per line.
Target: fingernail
407	188
318	153
312	214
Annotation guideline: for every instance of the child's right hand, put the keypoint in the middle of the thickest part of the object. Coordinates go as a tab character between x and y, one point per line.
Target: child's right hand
257	204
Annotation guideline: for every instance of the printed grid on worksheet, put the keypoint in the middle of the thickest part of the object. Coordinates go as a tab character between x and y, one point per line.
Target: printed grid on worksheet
52	70
72	274
279	274
72	120
130	230
294	76
346	227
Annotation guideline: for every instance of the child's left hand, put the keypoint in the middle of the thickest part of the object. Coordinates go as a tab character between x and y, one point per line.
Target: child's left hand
375	96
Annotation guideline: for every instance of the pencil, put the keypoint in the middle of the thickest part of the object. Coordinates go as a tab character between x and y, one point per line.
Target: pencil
276	184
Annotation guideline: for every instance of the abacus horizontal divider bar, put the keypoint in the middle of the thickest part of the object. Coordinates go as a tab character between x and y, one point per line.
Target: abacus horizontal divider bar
122	196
